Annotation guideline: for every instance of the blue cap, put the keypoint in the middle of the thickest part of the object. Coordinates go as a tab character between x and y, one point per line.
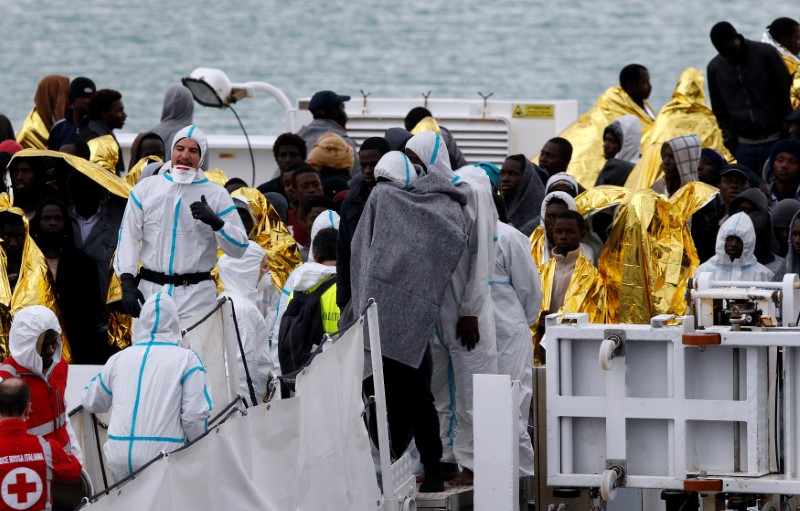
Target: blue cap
325	100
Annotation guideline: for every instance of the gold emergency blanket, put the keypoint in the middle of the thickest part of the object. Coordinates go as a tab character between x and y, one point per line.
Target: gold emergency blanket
271	234
133	175
585	293
589	202
34	133
34	287
58	165
794	70
685	114
105	152
426	124
586	133
216	176
650	254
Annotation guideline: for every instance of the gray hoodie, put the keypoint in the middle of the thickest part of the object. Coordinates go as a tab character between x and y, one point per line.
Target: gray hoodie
177	113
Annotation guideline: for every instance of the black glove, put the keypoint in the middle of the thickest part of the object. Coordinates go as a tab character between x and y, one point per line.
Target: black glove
203	212
132	298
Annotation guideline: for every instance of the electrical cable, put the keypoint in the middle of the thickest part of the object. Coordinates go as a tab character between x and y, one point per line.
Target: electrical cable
249	147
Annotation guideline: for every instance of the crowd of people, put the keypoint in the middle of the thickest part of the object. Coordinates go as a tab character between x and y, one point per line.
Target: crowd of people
464	260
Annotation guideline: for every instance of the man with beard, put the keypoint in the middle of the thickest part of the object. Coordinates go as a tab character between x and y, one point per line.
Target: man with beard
329	116
174	224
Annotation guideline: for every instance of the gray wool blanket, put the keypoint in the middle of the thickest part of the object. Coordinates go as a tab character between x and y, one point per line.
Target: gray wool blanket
404	252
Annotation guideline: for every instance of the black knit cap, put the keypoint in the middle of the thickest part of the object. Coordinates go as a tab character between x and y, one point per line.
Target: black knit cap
81	86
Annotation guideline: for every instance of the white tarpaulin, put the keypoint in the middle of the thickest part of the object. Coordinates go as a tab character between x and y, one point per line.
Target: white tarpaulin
309	452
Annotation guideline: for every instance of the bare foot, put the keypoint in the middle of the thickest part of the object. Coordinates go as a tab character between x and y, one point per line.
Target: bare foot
464	478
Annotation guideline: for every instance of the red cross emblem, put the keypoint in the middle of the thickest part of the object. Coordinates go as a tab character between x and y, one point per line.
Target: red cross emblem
21	488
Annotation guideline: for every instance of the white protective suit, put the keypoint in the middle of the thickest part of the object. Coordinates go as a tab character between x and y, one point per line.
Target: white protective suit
745	268
468	294
158	229
327	218
29	323
517	298
397	168
243	287
586	250
156	388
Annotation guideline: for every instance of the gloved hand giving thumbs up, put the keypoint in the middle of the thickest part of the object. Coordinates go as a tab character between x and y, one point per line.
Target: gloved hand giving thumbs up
203	212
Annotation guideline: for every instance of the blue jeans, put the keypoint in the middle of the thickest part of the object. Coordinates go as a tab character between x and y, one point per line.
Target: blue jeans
753	156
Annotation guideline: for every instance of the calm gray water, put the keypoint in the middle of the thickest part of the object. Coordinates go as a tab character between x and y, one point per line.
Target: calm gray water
524	50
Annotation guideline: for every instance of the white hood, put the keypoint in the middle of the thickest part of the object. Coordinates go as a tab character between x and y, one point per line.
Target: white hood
741	226
396	167
326	219
310	274
240	276
475	176
559	177
196	134
556	195
158	321
26	327
431	149
631	128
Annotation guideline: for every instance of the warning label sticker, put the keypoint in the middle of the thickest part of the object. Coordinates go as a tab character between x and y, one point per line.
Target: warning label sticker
534	111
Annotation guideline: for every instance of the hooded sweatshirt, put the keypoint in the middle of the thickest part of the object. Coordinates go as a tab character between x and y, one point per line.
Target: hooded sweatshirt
241	279
628	131
397	230
177	112
744	268
541	250
686	150
48	416
792	258
157	389
756	197
523	207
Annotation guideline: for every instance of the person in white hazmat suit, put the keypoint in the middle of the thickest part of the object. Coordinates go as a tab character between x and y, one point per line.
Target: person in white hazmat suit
735	259
245	280
517	298
156	391
326	219
464	340
173	224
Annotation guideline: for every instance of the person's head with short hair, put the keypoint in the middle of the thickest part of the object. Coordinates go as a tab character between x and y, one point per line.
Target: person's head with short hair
369	154
327	104
415	115
147	144
77	148
568	231
782	214
324	246
234	184
80	92
635	81
50	226
15	397
511	174
12	235
306	184
106	105
289	148
314	207
734	179
786	32
555	155
726	41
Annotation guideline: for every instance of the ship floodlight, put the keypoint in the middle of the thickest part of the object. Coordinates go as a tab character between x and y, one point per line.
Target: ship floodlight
209	87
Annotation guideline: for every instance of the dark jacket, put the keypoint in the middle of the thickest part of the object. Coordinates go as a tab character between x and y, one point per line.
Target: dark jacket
102	240
750	98
65	131
273	186
349	215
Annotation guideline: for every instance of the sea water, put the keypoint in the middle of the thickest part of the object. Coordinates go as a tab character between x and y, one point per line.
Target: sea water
515	49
